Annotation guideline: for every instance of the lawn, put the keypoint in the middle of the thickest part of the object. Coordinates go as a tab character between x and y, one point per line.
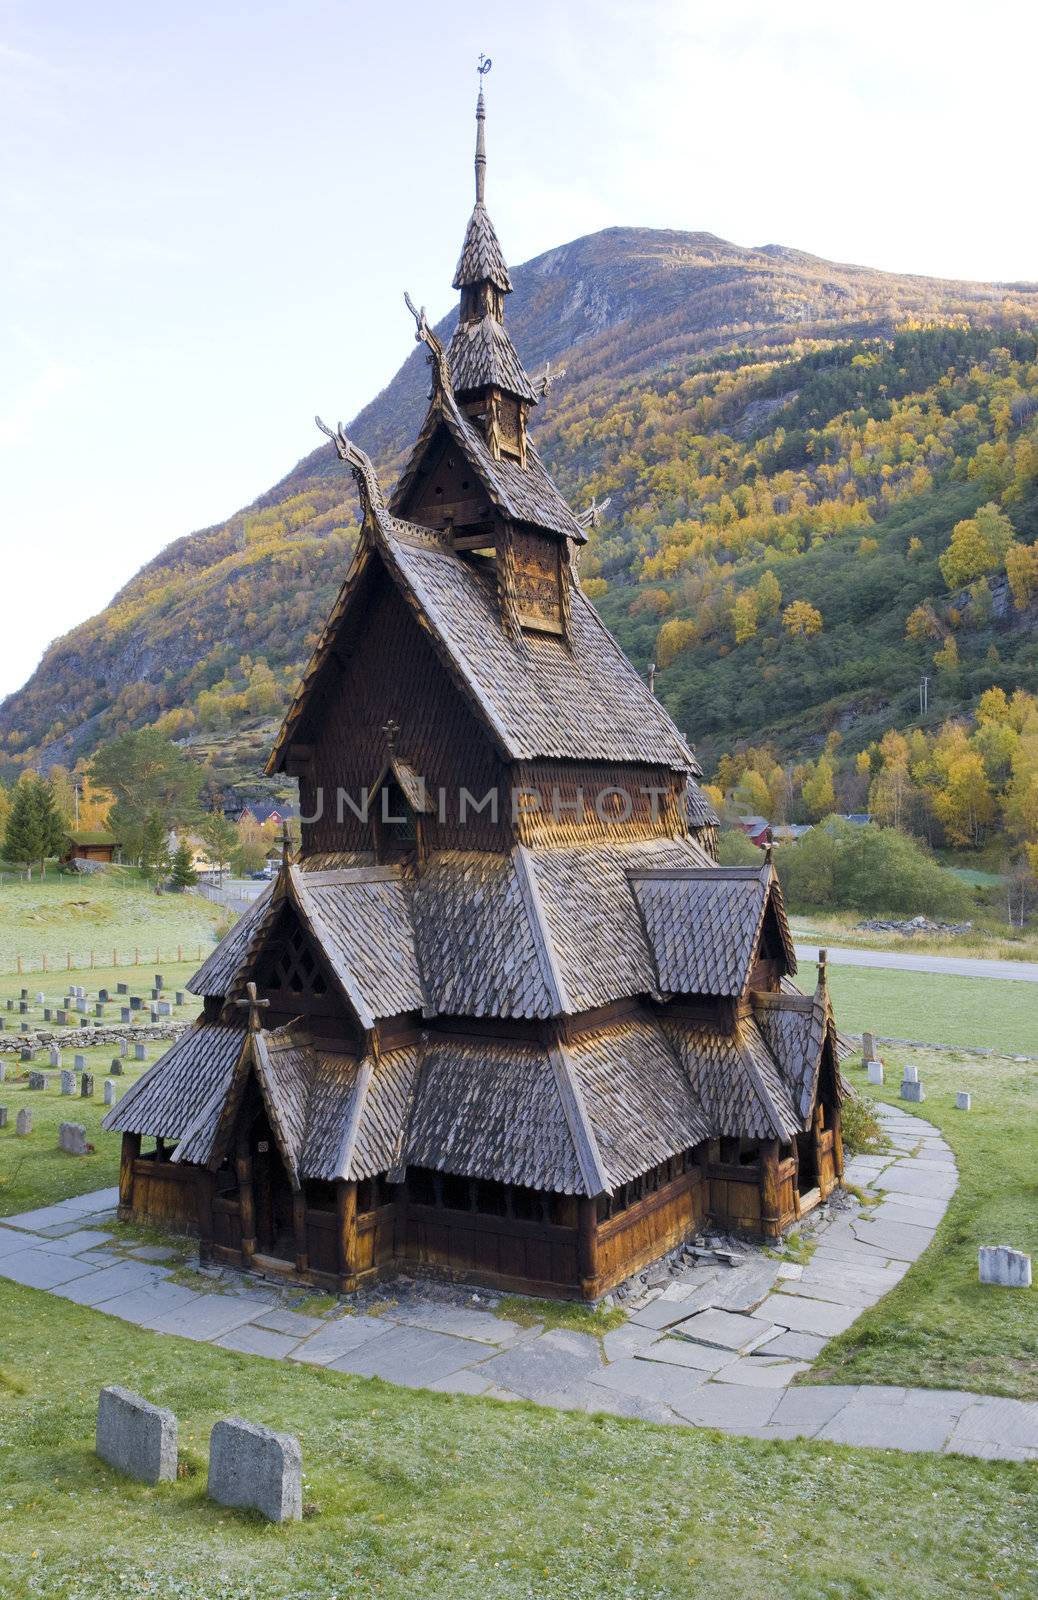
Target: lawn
419	1494
71	915
976	1013
940	1328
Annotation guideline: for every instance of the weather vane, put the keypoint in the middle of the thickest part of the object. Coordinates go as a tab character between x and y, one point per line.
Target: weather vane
485	65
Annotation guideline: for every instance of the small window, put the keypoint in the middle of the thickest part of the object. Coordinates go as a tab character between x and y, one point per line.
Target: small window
395	823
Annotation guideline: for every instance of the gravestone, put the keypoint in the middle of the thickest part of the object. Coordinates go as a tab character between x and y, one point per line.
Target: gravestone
165	1009
912	1089
3	1070
181	998
135	1002
81	1006
72	1139
116	1069
122	988
256	1469
3	1116
124	1047
79	1062
124	1014
910	1074
40	998
963	1101
10	1005
86	1086
62	1019
23	1122
109	1092
99	1009
1008	1268
139	1052
23	994
135	1437
160	982
68	1081
154	1011
37	1080
875	1071
102	994
28	1053
84	1022
155	993
23	1006
55	1056
868	1049
3	1024
48	1015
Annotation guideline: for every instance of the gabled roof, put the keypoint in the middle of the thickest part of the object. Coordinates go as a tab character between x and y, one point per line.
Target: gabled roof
167	1098
482	260
481	353
704	925
699	811
360	918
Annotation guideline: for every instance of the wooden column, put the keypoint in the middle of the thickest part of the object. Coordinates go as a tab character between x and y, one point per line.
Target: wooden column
835	1123
299	1229
346	1204
246	1197
587	1247
131	1149
818	1128
204	1180
770	1200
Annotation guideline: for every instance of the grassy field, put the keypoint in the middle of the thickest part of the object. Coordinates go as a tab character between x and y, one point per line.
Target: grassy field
975	1013
417	1494
72	915
939	1328
989	939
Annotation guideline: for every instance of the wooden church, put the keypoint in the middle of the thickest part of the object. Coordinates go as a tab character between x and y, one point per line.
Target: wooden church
504	1018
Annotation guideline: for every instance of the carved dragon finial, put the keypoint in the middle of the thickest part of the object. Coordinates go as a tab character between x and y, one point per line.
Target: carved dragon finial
591	516
364	474
544	381
437	354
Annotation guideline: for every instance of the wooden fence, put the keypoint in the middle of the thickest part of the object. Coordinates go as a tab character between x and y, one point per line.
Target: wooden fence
78	961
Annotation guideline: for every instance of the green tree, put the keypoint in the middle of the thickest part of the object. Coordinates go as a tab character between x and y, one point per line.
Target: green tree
220	837
182	873
149	776
153	851
34	830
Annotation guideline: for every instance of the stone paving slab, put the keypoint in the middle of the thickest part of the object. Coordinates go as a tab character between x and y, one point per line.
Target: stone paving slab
670	1386
932	1185
732	1407
683	1353
862	1422
252	1341
797	1346
41	1269
149	1307
334	1339
210	1316
729	1330
411	1357
74	1243
988	1418
660	1314
11	1242
464	1323
755	1372
466	1381
900	1241
538	1370
293	1322
811	1316
97	1286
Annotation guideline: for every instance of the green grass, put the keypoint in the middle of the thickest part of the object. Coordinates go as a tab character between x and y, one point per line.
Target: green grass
68	914
414	1493
940	1328
976	1013
530	1313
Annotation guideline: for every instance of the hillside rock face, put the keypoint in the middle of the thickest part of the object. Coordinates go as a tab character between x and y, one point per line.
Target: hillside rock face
627	312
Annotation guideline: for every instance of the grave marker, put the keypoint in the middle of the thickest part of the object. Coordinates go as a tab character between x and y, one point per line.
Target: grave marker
68	1081
875	1071
116	1069
135	1437
86	1086
23	1123
109	1092
256	1469
999	1264
963	1101
72	1139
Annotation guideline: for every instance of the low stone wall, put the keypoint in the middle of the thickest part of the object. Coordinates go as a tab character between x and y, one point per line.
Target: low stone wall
85	1038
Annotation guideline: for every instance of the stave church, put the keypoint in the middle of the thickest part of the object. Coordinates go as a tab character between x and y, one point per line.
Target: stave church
504	1018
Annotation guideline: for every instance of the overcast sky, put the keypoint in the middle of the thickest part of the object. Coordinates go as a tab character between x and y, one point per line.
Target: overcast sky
209	209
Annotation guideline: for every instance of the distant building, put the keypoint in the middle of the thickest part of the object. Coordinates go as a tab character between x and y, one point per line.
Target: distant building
756	829
90	844
857	819
789	832
264	811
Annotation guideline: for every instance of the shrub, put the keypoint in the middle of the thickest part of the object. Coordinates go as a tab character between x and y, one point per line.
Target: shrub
734	849
868	869
860	1126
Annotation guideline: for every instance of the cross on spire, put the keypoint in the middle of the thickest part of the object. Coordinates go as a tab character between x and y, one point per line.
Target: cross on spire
391	729
286	844
255	1005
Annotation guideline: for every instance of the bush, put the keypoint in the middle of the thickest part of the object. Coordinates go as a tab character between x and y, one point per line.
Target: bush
860	1127
734	849
869	869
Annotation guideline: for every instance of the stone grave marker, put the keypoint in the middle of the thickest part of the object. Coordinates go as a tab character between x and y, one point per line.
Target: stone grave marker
963	1102
28	1053
23	1006
40	998
135	1002
48	1015
23	1122
24	1026
86	1086
3	1070
165	1009
181	998
10	1005
79	1062
154	1011
109	1092
23	994
160	982
102	994
3	1116
37	1080
999	1264
124	1047
155	993
68	1081
72	1139
122	988
81	1005
911	1088
875	1071
116	1069
99	1009
62	1019
55	1056
124	1013
135	1437
256	1469
139	1052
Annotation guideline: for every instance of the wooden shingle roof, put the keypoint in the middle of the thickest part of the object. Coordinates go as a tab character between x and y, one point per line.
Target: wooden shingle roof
482	260
481	353
704	925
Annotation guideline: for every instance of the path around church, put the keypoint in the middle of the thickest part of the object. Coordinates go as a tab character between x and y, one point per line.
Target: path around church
716	1347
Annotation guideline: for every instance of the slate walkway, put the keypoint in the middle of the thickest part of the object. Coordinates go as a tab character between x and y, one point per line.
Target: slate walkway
716	1347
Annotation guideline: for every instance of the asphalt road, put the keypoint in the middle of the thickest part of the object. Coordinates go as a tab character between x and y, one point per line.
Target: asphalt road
903	961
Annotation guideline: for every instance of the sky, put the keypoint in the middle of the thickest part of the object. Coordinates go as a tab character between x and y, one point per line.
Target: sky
209	211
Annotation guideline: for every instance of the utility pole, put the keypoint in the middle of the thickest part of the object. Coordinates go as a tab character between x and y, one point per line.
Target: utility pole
75	802
924	696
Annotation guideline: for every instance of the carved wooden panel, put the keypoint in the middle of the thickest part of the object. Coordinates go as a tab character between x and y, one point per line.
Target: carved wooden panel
537	579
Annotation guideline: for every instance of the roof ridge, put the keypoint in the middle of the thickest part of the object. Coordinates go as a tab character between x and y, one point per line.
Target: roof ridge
319	931
358	1100
553	978
585	1144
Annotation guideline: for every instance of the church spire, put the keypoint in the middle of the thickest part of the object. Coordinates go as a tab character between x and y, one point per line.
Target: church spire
481	146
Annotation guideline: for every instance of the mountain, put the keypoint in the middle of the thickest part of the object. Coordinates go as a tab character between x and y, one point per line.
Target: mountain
761	420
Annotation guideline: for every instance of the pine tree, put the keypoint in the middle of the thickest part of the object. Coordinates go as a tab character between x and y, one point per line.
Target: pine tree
34	829
154	852
182	873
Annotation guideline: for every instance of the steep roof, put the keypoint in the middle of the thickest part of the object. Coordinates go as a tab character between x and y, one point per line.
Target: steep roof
481	353
482	259
704	925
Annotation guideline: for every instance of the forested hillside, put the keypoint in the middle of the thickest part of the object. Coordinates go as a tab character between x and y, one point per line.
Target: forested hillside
788	447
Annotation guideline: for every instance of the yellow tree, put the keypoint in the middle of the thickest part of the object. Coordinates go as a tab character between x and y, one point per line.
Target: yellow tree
817	789
674	636
965	805
1022	572
744	616
801	619
769	594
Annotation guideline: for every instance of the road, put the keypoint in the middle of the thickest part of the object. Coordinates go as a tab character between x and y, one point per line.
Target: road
903	961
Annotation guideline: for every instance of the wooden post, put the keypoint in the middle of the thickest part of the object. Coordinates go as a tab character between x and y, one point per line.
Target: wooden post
136	955
204	1207
131	1149
587	1246
18	964
346	1206
246	1198
91	958
299	1228
837	1143
44	961
115	958
770	1202
68	960
818	1128
180	952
